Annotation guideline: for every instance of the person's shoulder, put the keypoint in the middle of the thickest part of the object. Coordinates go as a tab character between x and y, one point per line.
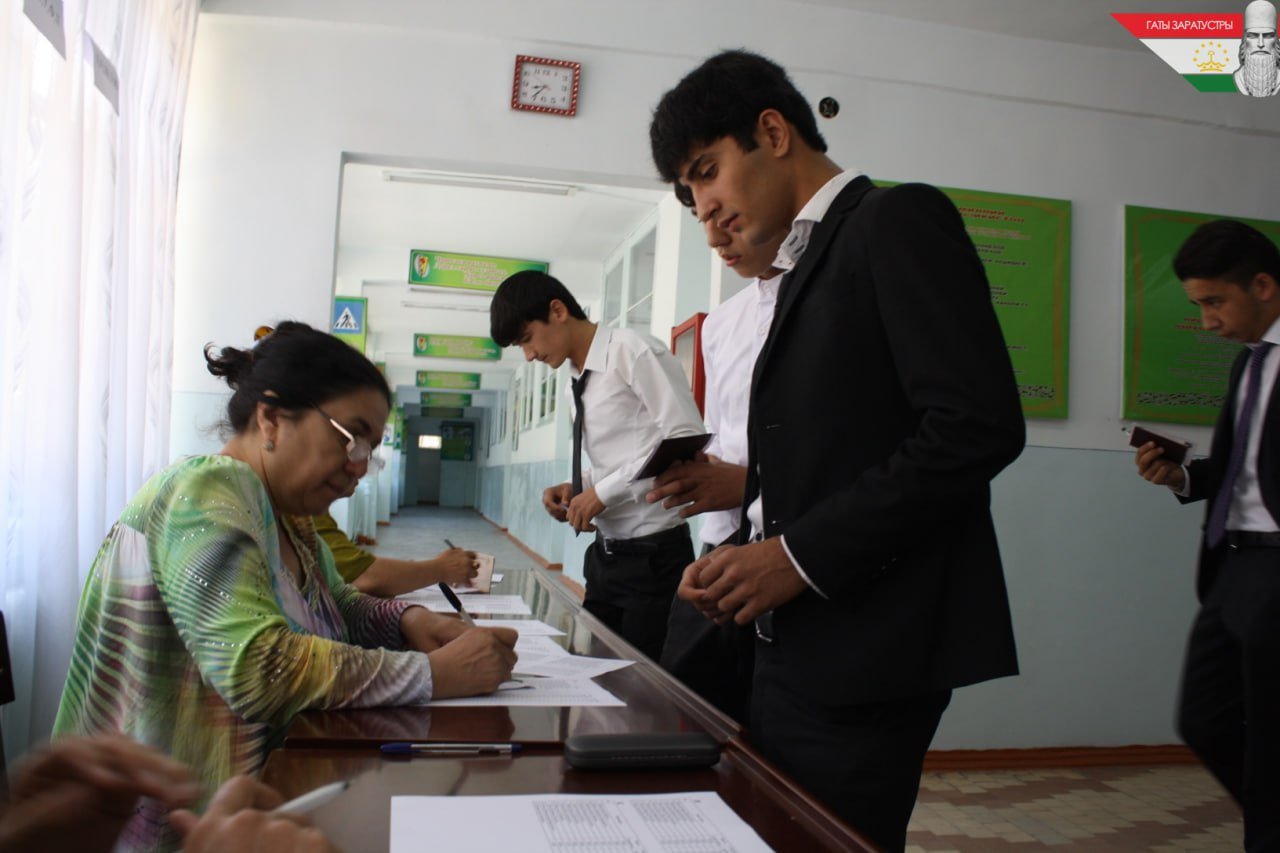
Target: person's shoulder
635	342
213	480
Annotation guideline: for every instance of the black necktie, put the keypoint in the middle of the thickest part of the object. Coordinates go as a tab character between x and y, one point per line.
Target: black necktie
1216	529
579	385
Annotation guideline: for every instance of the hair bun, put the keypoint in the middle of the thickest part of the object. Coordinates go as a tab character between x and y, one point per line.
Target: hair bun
230	363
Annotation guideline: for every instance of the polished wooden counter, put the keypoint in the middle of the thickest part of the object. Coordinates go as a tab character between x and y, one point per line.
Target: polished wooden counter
324	747
655	701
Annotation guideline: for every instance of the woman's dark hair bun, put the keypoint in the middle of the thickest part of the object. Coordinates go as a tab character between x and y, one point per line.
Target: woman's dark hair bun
230	363
293	367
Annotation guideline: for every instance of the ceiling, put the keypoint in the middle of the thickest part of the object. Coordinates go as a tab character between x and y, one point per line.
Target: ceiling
585	225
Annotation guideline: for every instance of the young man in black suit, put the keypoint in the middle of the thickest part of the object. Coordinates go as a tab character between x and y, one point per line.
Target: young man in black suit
882	404
1229	710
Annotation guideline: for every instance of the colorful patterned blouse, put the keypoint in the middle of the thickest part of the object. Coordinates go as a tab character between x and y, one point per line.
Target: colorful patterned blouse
195	638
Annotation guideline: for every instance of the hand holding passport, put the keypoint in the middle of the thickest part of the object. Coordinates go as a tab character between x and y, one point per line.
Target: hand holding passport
1175	449
669	451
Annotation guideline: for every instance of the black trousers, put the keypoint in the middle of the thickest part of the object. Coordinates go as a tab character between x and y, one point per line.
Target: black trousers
862	761
715	661
1229	709
630	585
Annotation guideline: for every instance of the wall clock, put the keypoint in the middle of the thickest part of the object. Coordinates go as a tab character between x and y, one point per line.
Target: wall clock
545	85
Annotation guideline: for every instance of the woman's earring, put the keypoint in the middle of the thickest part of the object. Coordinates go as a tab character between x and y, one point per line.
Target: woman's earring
269	446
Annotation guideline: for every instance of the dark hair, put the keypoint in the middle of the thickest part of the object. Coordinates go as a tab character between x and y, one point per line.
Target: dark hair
724	96
294	367
523	298
1227	249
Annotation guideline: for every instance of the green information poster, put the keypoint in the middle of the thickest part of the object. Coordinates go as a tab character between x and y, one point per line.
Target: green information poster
453	400
448	379
399	434
1175	371
1025	246
457	439
349	320
465	272
455	346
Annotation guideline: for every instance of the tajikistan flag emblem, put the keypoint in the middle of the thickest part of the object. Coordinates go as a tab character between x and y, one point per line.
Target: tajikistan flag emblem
1203	48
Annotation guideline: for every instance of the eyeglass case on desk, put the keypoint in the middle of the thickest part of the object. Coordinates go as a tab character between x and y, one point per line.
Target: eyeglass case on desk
641	751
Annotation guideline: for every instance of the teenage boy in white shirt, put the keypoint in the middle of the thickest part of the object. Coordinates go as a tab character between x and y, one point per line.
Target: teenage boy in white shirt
628	393
715	661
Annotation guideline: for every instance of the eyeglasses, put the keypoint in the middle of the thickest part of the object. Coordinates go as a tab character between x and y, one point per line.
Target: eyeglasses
358	448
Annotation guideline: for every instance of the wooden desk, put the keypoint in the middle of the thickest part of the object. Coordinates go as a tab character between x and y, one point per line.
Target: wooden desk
324	747
655	700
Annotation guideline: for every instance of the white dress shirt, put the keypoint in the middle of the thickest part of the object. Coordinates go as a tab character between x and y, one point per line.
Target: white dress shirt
789	254
1247	511
636	395
732	336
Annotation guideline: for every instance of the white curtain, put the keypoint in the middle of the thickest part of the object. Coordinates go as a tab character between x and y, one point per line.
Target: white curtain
87	199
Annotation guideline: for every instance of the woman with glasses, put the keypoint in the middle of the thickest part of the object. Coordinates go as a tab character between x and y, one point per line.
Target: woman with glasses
213	613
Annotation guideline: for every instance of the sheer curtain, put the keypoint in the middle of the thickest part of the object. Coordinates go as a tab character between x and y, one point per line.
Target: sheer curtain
87	197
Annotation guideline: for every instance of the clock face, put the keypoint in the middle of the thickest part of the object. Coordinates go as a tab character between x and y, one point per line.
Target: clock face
545	85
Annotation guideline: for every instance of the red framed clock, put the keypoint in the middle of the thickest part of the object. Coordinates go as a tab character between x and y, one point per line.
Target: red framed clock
546	85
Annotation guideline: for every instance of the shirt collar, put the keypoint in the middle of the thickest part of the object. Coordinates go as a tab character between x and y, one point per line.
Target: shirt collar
814	210
598	353
1272	335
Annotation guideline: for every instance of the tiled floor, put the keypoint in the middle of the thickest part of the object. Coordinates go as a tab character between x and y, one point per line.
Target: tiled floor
1168	808
419	532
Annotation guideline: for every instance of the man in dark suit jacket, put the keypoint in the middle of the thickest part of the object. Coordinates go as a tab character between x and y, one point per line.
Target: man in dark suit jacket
1229	710
882	405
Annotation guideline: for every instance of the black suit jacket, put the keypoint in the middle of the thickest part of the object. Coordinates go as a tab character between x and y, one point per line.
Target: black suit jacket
1206	474
882	404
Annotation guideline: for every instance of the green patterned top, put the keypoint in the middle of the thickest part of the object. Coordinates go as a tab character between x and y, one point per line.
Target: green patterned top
195	638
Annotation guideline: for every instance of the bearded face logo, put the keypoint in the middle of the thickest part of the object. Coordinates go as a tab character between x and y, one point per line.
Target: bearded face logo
1259	74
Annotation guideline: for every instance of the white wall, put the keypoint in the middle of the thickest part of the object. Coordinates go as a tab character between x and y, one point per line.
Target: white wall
274	104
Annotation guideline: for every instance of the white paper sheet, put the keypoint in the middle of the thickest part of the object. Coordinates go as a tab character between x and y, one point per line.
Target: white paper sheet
537	646
523	627
433	599
567	666
542	693
561	823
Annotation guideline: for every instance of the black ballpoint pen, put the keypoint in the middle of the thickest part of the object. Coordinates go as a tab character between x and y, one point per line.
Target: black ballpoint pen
456	603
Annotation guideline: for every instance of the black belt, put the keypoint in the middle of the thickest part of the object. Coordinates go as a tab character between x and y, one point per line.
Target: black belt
647	544
1252	539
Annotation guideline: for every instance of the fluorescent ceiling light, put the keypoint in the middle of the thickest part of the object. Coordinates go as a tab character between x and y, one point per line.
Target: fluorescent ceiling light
479	182
479	309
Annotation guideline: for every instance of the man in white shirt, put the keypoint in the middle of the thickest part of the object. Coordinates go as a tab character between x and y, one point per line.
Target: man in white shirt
628	393
1229	707
715	661
882	404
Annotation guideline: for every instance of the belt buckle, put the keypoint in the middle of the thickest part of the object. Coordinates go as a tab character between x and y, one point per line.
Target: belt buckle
604	546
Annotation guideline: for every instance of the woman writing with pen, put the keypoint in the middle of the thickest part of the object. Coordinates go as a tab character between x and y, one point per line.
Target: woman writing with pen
213	614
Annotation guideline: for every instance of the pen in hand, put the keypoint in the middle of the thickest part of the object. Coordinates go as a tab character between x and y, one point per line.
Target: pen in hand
450	544
456	604
312	800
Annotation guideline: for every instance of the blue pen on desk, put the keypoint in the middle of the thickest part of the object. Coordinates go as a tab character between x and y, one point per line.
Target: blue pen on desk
456	604
450	749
